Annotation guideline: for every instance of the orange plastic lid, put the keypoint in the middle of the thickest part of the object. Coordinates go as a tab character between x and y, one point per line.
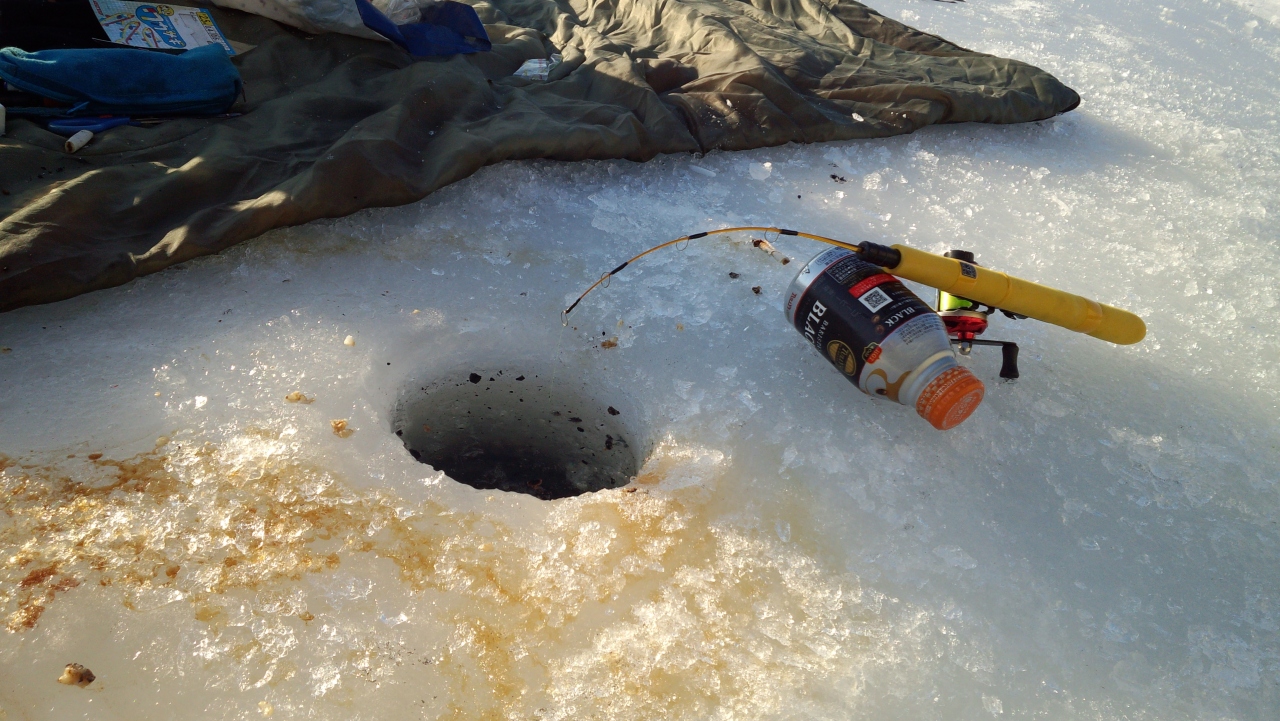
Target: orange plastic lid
950	398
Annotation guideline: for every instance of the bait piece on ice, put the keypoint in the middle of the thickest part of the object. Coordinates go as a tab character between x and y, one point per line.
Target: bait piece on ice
767	247
76	675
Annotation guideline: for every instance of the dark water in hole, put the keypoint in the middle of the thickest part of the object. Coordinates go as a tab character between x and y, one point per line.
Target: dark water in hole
509	467
513	431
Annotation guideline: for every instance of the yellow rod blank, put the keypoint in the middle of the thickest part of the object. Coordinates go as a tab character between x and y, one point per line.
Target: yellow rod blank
996	289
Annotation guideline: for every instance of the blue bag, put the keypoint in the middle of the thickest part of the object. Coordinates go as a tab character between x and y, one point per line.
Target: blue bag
445	28
123	81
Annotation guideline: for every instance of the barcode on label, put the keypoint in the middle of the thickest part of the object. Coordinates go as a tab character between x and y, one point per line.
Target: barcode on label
875	299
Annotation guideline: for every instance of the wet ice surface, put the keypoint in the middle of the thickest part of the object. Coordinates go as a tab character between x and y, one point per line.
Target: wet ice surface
1098	541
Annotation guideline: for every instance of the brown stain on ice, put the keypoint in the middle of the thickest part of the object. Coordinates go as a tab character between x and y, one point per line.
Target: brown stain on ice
38	576
284	531
206	522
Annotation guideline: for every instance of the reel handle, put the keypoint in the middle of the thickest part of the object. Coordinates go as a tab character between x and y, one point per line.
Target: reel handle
1008	354
1009	366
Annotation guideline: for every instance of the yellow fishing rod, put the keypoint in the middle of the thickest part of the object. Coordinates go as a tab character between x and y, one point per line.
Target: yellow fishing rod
958	278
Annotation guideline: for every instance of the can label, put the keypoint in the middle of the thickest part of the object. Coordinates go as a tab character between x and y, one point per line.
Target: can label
865	321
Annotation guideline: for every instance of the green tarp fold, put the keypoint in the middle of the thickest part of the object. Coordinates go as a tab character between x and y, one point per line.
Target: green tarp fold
333	124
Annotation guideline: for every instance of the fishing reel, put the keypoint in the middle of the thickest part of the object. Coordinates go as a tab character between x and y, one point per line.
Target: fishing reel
966	320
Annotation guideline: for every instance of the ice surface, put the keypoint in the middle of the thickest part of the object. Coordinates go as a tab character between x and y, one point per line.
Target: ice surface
1268	10
1099	541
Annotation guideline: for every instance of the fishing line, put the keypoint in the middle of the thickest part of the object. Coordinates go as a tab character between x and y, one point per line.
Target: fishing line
763	244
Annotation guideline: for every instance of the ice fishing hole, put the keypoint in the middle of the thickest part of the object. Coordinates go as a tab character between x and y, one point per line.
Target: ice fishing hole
521	431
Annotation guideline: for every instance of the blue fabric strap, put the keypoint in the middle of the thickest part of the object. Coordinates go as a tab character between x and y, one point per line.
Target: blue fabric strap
447	28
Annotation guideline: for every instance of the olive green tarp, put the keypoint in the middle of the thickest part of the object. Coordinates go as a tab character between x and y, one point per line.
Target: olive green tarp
332	124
